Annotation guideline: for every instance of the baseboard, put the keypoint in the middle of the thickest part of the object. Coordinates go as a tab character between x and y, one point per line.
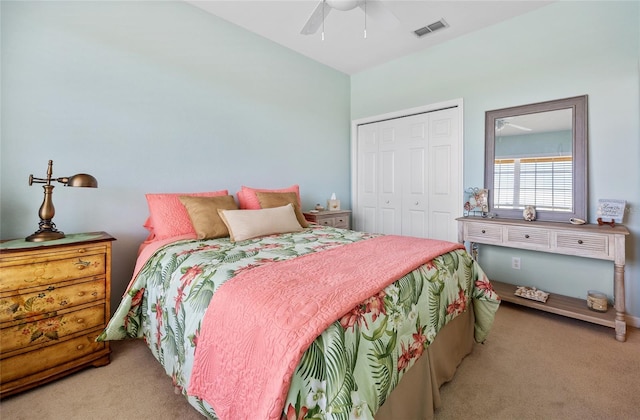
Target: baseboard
633	321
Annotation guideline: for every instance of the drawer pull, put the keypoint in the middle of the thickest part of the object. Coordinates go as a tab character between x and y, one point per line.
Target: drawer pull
526	236
51	288
79	346
80	320
80	294
387	202
82	251
484	231
81	265
417	203
580	241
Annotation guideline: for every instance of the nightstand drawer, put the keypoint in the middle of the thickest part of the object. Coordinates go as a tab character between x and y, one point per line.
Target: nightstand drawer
20	274
341	222
15	306
49	330
334	218
49	357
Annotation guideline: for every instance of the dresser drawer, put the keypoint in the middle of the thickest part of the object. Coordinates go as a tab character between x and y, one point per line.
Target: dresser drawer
21	274
583	244
16	306
483	233
49	330
44	358
538	238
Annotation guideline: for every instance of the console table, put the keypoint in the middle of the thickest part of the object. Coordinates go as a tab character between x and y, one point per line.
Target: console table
588	241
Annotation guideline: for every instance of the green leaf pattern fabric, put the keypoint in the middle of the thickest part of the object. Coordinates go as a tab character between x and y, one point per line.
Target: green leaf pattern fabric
352	367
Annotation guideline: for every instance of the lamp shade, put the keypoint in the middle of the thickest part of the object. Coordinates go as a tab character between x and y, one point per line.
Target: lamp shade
82	180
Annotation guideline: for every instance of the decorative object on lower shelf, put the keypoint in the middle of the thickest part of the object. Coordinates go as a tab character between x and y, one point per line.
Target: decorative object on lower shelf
532	293
597	301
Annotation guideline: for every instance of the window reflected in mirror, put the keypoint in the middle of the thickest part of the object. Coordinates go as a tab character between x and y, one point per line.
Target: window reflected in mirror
533	163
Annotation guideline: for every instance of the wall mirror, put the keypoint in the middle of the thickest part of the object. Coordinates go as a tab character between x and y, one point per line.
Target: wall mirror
536	155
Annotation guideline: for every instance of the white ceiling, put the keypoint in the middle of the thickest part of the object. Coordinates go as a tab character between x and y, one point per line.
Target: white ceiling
345	48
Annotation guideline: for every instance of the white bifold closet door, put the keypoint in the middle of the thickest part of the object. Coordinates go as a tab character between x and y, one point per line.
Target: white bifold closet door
408	175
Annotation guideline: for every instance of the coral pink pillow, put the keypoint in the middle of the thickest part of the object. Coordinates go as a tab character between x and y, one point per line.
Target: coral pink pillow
169	217
248	199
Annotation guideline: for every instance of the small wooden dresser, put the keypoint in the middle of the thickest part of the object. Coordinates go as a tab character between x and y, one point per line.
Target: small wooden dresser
54	302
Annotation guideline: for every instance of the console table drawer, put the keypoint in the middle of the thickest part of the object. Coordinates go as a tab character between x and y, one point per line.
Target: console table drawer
478	232
588	245
538	238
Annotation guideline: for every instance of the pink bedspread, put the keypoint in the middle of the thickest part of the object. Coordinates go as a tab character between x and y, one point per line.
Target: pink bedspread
259	324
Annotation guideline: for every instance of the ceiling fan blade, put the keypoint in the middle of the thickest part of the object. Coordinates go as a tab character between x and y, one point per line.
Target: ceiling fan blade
519	127
377	11
315	20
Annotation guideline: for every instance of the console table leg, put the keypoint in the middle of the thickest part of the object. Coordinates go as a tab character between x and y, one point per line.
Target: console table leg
619	302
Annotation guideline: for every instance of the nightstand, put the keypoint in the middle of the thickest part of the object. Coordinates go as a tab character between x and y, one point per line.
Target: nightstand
335	218
54	302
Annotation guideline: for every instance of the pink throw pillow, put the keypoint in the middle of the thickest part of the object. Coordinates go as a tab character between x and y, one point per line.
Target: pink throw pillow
248	199
168	217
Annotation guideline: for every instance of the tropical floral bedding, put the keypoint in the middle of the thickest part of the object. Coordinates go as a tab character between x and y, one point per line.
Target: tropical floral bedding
351	368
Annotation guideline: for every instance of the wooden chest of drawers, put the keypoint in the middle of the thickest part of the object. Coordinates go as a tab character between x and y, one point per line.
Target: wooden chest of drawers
54	301
336	218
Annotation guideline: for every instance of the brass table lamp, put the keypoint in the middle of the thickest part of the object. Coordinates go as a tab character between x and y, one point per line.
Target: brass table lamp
47	229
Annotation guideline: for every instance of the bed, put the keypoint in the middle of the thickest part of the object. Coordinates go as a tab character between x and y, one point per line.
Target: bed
303	321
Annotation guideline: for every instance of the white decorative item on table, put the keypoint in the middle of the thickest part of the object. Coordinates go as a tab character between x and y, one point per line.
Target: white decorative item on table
333	203
529	213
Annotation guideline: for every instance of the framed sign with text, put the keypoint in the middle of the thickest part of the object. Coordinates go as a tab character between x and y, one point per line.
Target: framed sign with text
611	210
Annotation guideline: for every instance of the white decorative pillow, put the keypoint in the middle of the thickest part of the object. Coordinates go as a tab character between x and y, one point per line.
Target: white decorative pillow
247	224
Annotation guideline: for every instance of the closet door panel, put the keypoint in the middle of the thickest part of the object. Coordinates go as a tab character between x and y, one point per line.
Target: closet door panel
390	178
415	177
444	165
414	194
367	182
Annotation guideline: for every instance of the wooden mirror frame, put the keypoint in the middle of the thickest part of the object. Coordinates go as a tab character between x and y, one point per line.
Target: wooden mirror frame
578	105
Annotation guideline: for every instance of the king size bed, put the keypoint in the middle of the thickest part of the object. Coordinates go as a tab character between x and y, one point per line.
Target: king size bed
298	321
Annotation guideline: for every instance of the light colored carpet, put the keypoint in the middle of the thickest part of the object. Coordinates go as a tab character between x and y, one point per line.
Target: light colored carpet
533	366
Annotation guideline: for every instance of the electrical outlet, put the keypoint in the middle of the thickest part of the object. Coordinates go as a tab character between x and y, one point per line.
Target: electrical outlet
515	263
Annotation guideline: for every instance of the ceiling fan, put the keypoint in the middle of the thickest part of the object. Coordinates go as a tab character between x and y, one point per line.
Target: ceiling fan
372	8
504	122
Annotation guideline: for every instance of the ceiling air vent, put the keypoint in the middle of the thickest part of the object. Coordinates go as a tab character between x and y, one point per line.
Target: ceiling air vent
426	30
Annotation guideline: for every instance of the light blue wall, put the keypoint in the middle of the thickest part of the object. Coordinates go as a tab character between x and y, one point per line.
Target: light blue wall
160	96
561	50
157	97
